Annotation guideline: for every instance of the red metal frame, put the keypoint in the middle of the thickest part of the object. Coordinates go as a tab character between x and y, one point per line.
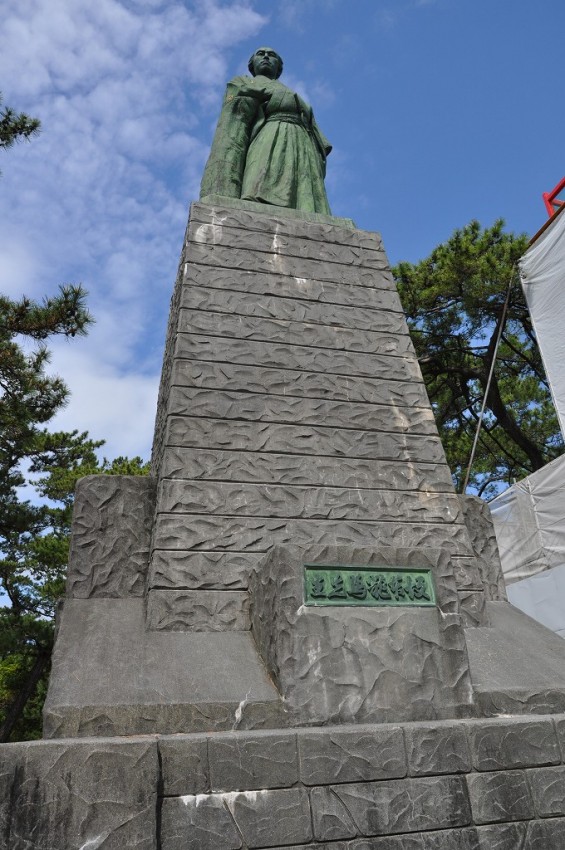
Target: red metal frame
550	199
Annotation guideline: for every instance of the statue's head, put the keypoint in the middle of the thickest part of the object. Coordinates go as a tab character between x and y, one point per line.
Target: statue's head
267	62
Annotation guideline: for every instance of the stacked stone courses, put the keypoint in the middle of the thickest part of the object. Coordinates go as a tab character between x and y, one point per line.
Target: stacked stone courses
459	785
292	410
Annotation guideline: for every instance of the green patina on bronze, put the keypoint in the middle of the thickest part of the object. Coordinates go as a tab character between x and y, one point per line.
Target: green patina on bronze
334	584
267	147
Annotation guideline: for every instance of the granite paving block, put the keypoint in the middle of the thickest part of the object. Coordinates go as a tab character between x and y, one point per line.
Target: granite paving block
330	818
262	468
378	297
267	818
305	502
201	822
351	755
198	610
290	332
306	358
512	743
186	430
111	534
256	378
184	765
246	762
273	305
77	795
498	797
407	805
434	748
547	785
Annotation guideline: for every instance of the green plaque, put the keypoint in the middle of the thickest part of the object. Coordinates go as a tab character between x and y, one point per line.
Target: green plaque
335	584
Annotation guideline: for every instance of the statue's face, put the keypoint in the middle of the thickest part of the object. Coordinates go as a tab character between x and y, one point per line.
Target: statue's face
266	61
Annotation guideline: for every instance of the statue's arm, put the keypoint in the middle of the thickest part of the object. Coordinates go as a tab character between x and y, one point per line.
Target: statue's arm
223	174
323	144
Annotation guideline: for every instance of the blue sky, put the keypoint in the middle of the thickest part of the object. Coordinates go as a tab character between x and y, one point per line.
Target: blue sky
440	111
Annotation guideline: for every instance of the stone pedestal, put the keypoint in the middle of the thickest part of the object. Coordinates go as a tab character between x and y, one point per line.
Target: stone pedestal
198	698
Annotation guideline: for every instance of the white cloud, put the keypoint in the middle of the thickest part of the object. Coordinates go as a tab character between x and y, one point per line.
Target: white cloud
123	90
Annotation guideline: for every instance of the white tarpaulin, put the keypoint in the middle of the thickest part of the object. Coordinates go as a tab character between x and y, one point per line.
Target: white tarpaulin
529	522
542	271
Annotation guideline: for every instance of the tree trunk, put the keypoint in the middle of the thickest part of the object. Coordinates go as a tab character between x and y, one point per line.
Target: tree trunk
15	711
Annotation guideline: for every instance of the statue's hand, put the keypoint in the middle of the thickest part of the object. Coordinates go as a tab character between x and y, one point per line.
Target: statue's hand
257	89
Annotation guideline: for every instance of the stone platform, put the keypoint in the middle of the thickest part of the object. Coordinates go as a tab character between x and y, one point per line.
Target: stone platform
459	785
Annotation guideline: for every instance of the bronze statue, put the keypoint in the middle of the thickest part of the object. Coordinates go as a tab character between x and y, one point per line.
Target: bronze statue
267	147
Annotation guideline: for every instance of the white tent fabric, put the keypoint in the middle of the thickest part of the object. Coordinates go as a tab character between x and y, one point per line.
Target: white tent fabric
529	522
542	272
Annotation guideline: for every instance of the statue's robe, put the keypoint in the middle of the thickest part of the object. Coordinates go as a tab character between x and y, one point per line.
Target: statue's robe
267	148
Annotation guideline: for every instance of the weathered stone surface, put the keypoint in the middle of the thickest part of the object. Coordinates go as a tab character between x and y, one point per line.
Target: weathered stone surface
406	805
289	383
253	762
512	743
483	540
77	795
186	430
242	239
330	818
267	330
351	755
547	785
545	835
184	765
300	411
207	570
113	676
498	797
199	822
259	261
378	297
445	839
111	535
263	468
301	310
472	607
266	818
305	358
356	664
503	836
306	502
259	535
198	610
271	220
467	574
434	748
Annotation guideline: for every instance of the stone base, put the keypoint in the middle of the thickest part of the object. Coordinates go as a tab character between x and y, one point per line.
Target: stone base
469	784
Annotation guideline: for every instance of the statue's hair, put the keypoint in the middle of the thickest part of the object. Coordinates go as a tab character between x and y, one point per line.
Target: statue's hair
252	57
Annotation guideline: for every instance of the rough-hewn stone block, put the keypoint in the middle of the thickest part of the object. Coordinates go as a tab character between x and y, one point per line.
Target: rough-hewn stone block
79	794
198	610
111	535
330	818
184	765
498	797
513	743
351	755
434	748
502	836
547	785
253	762
266	818
406	805
199	822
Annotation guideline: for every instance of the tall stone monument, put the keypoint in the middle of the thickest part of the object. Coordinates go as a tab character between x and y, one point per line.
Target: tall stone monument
293	634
